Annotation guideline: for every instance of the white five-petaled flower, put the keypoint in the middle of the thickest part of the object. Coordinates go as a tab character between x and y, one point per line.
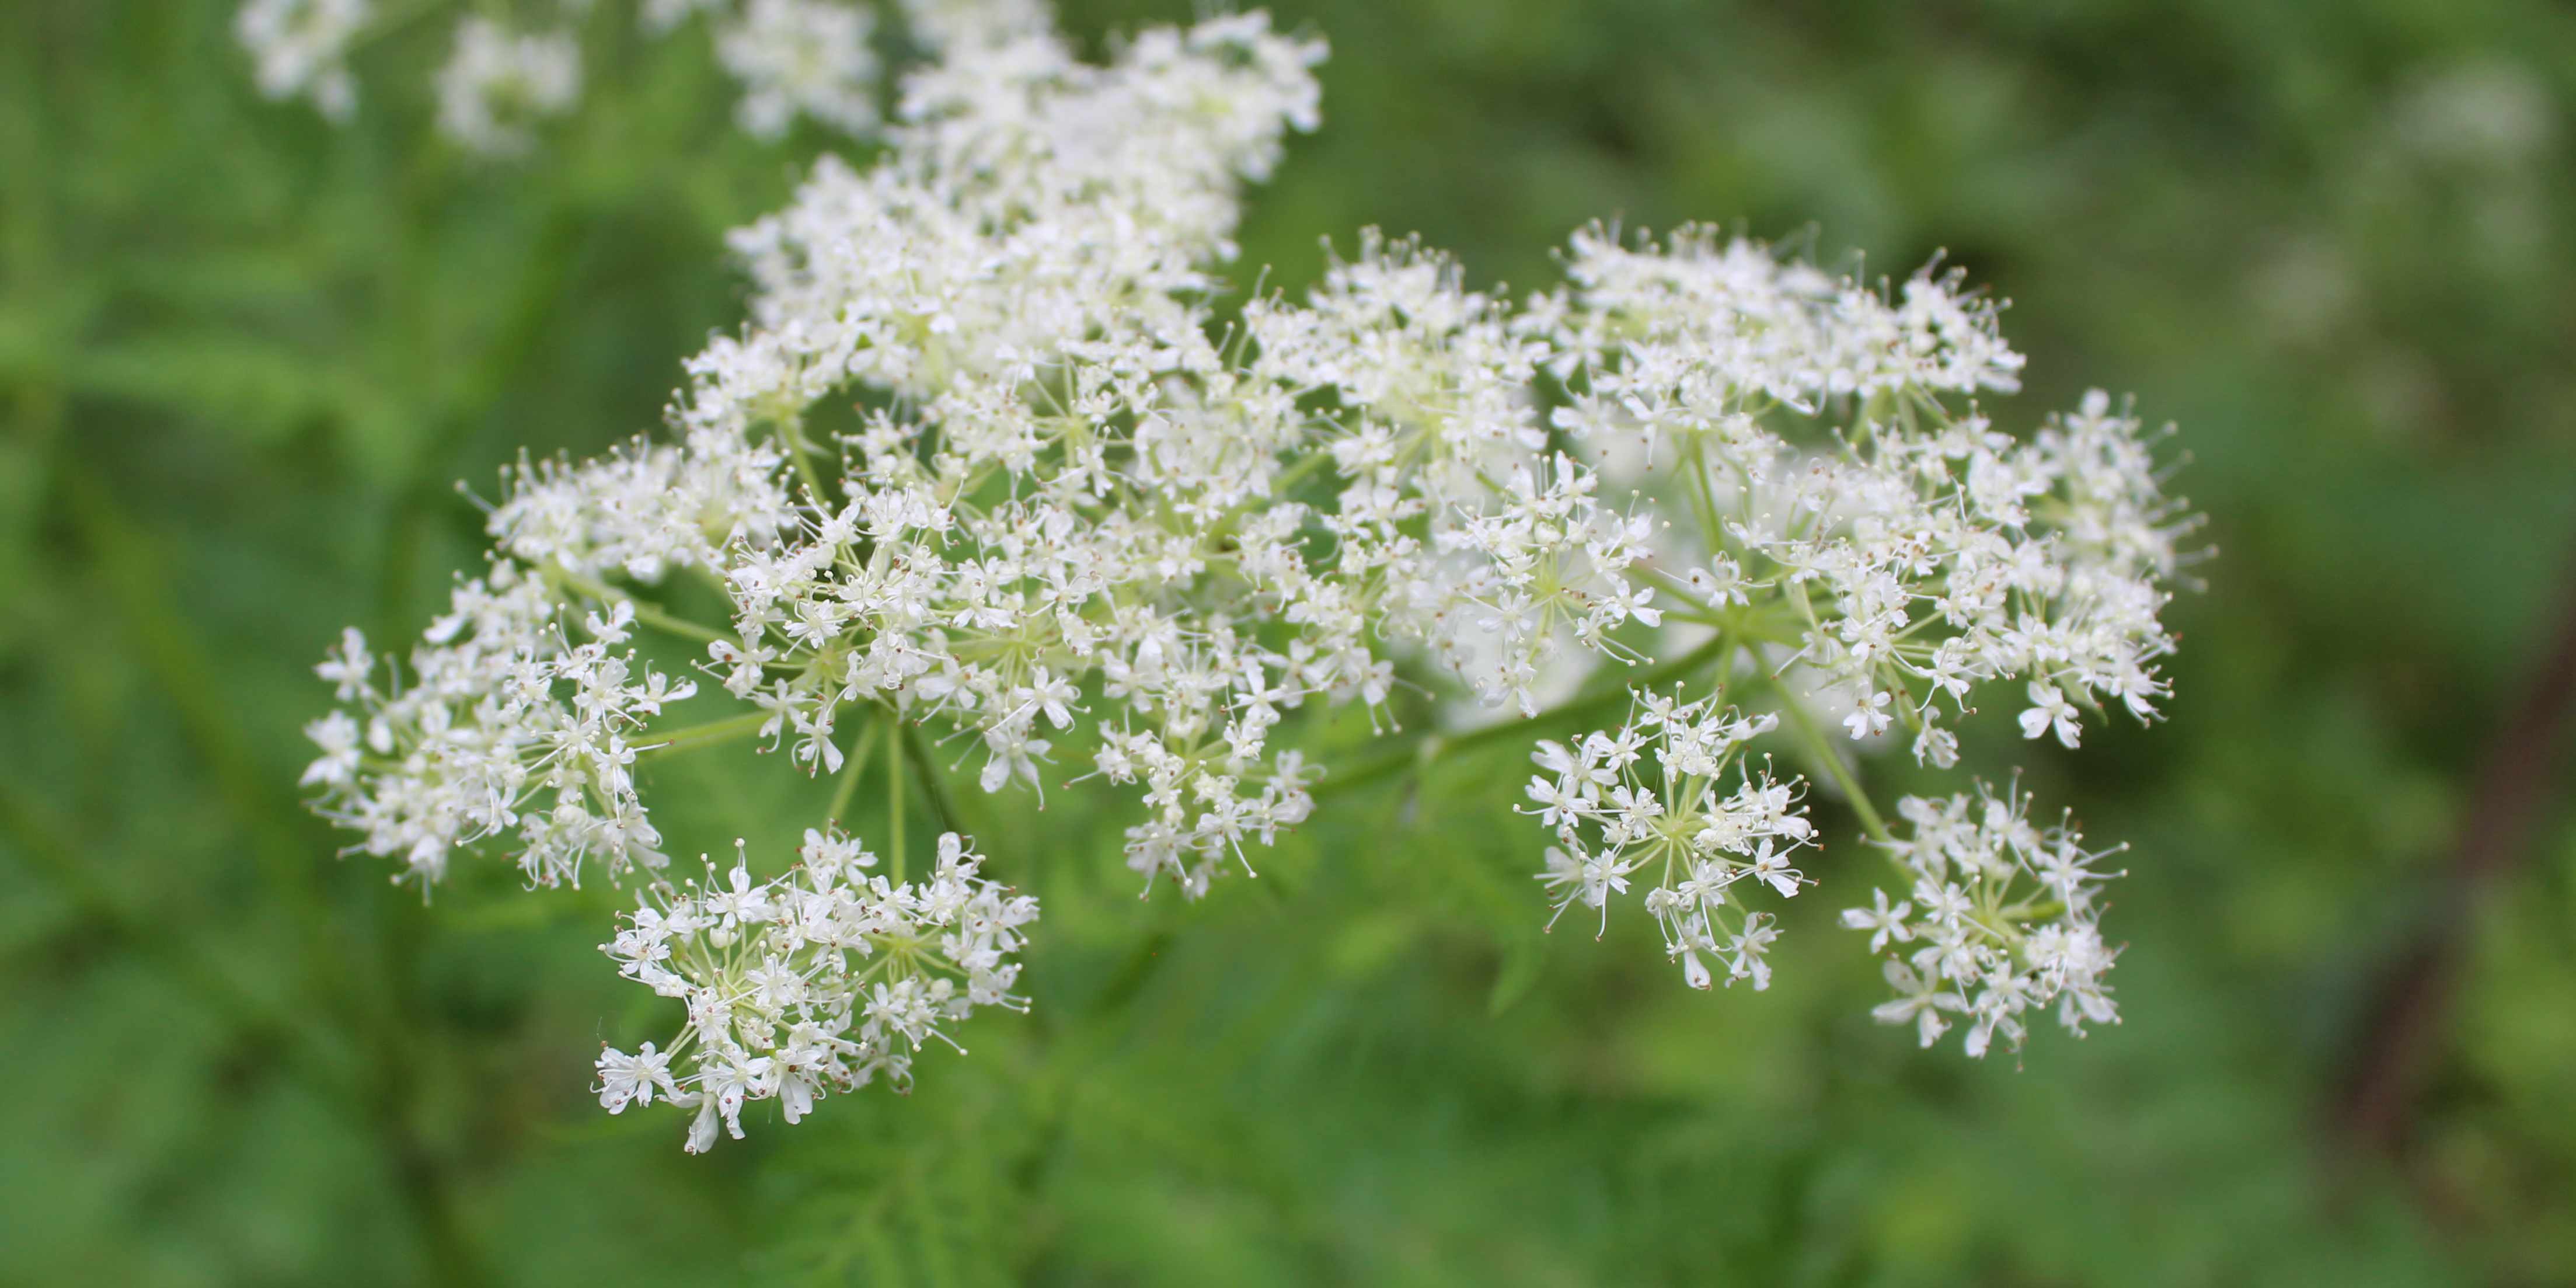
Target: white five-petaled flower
2048	710
1883	922
1919	1000
625	1079
1868	715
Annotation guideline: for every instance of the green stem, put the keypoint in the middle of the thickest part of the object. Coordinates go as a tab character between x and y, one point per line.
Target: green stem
1314	459
792	431
862	749
894	796
1672	585
1817	744
644	612
712	733
926	771
1701	498
1368	770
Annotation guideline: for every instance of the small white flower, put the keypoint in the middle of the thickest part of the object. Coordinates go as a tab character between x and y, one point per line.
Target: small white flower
1558	800
1919	1001
337	735
2049	709
1882	921
1868	716
351	669
633	1078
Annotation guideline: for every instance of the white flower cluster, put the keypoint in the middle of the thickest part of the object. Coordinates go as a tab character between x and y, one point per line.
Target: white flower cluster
1703	839
922	565
504	727
1926	551
497	84
821	980
985	458
807	57
2005	917
815	59
301	47
1457	523
1700	333
1900	556
1940	559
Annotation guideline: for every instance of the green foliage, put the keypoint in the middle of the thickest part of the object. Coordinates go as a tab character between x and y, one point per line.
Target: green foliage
244	356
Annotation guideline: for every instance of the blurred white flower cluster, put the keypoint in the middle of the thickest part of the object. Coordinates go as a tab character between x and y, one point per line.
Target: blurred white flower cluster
817	59
497	85
300	48
986	459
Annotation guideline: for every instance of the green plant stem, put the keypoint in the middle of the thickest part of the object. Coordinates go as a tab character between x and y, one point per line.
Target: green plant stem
862	749
925	771
1817	744
1314	459
801	454
1368	770
646	613
712	733
894	797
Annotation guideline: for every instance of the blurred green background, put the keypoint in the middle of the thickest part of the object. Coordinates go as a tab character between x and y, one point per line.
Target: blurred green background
244	357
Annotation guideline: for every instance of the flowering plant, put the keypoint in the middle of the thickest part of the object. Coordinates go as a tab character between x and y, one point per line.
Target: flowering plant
988	460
